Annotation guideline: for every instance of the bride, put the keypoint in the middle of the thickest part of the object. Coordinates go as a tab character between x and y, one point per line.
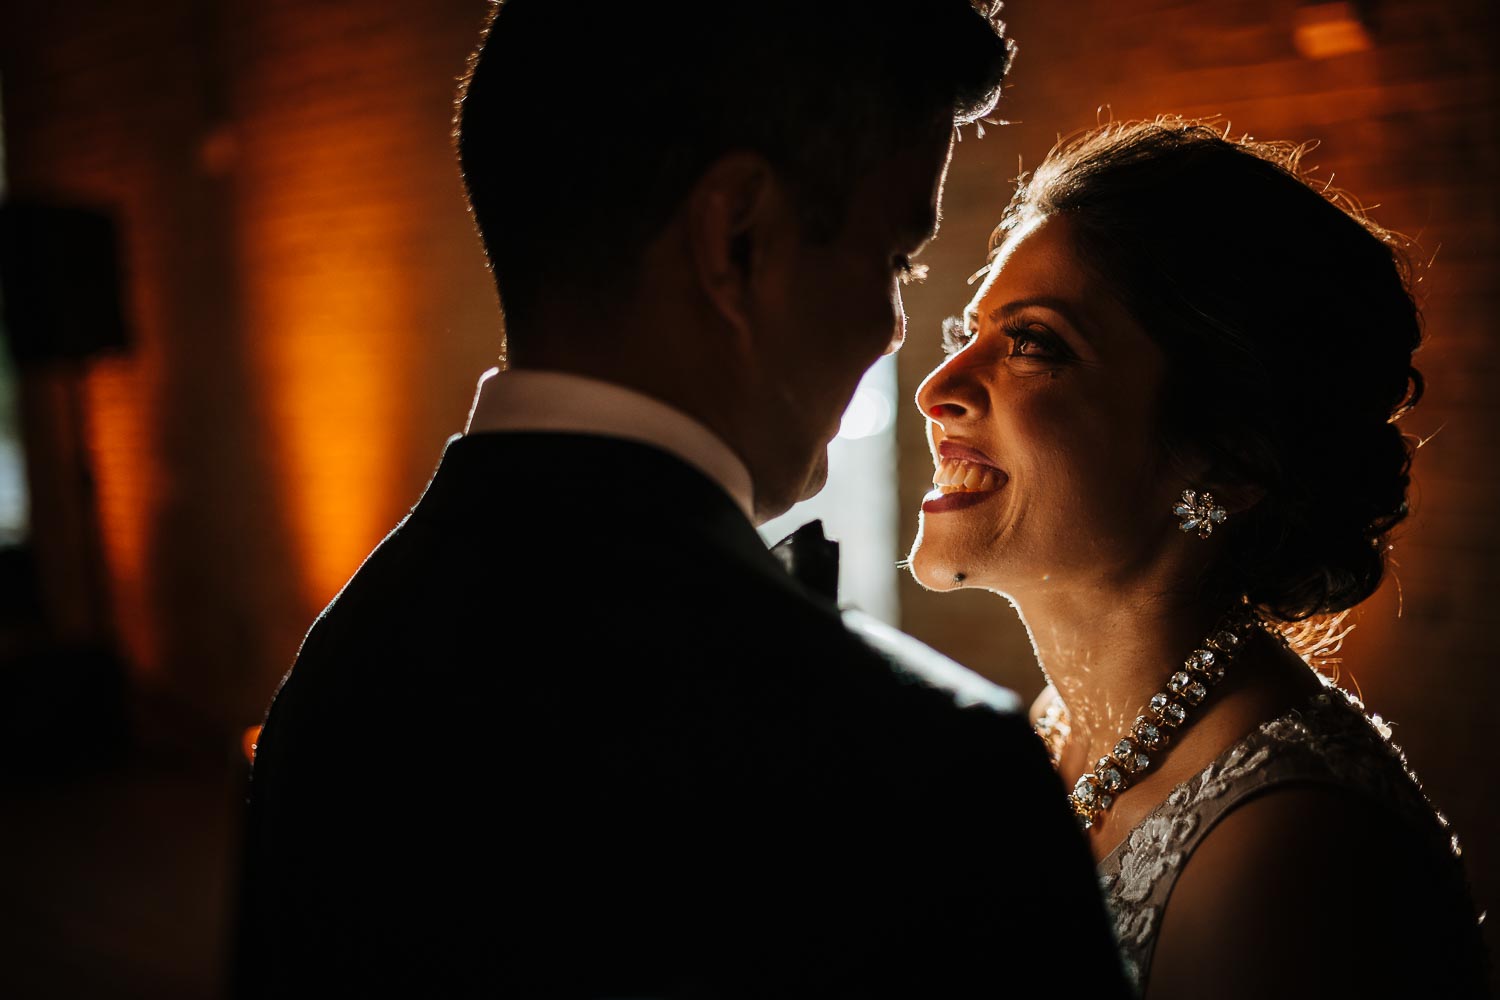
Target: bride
1165	430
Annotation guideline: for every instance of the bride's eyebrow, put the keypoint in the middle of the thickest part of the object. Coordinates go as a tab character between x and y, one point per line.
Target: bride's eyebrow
1062	307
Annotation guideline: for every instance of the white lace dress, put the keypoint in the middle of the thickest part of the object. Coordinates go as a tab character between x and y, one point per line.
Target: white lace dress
1329	740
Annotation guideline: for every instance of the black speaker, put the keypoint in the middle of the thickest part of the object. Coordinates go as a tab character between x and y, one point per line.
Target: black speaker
60	279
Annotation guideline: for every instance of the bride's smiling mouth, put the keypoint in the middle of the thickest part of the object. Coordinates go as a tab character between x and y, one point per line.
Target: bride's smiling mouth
964	477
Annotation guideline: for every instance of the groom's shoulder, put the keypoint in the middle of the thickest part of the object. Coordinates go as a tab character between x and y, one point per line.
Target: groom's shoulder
911	661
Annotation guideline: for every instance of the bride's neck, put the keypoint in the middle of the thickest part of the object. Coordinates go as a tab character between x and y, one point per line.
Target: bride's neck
1107	655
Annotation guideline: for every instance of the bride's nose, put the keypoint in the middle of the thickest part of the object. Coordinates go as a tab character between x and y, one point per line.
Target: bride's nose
947	394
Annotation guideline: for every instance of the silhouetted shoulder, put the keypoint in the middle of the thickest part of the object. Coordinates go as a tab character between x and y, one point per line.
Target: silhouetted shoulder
921	662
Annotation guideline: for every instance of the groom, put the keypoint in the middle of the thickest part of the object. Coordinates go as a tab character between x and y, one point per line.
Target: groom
571	730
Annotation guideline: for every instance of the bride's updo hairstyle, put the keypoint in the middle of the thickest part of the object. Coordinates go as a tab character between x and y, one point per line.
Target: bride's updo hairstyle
1288	325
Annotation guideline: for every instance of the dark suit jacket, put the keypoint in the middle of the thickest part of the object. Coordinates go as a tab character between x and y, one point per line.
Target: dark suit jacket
572	731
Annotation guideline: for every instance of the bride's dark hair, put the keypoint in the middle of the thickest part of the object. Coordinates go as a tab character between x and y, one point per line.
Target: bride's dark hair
1288	325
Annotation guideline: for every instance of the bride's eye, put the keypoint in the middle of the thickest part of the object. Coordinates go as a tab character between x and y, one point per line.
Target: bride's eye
956	335
1036	343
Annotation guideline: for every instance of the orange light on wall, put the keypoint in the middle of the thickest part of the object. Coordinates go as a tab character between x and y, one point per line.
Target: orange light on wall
329	244
328	311
125	480
1325	30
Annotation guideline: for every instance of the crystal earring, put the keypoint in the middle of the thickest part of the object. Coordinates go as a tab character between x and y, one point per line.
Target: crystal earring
1200	513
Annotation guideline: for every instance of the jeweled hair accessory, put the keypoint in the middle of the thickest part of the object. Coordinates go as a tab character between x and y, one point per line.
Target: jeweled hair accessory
1200	513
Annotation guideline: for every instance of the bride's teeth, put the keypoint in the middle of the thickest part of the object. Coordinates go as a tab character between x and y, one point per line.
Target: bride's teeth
954	475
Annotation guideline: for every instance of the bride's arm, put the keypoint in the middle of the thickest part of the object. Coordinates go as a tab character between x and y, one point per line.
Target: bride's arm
1303	892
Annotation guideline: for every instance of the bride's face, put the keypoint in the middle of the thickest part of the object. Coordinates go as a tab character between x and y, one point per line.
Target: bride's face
1044	417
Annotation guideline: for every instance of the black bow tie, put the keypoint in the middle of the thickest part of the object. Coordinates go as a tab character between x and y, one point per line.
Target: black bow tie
811	559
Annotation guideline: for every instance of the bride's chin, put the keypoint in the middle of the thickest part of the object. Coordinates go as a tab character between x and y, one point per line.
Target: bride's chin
932	572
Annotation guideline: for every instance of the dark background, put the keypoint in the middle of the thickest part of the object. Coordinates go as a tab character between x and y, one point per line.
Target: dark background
308	311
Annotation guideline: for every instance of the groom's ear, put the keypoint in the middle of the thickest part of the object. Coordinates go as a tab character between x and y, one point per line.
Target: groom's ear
733	215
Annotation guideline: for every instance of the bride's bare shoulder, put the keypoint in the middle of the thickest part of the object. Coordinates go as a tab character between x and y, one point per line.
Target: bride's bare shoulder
1304	891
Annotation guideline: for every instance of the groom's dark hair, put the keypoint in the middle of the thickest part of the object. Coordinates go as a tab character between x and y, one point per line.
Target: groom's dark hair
581	125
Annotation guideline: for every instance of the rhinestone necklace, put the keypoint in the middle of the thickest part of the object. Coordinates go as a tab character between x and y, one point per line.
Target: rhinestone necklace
1168	711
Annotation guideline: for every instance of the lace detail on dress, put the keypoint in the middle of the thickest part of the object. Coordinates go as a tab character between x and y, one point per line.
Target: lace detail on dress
1330	740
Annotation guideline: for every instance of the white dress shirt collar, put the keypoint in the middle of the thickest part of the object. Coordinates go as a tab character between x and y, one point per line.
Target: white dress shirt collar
564	403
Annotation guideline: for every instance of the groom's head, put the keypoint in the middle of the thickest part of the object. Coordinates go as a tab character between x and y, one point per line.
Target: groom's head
713	202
